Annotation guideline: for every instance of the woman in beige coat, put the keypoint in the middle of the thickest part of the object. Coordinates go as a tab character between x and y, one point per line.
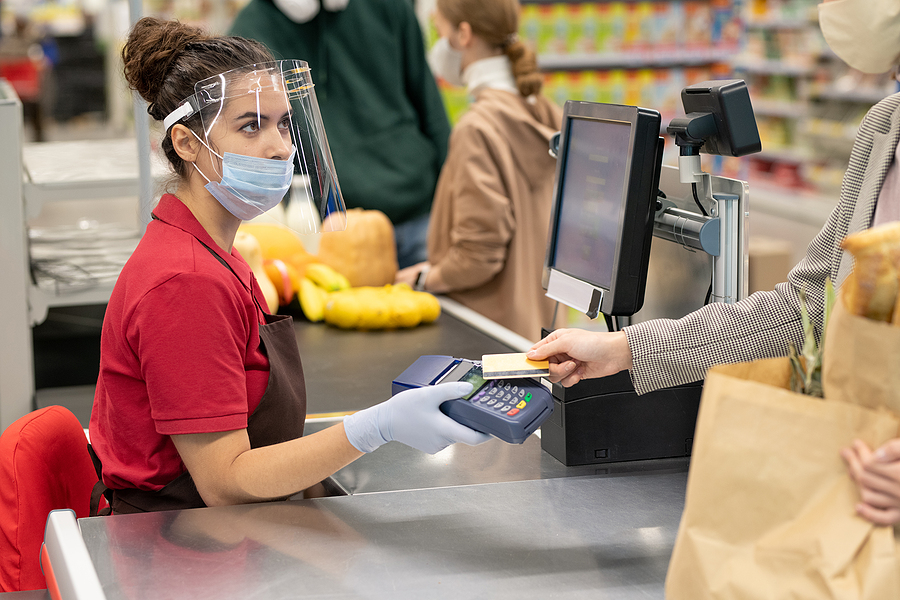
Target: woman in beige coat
491	211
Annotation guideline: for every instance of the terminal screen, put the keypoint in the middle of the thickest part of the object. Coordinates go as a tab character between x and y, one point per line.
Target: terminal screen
474	377
592	198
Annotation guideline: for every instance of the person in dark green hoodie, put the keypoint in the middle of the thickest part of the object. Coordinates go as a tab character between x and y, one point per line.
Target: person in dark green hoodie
383	115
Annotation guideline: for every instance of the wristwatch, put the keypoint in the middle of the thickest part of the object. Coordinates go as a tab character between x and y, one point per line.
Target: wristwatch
420	279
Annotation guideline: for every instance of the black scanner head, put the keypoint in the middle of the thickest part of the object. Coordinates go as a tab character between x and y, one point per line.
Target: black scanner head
719	119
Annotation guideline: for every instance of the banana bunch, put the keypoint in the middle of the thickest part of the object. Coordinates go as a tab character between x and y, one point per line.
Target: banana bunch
326	278
386	307
317	283
325	294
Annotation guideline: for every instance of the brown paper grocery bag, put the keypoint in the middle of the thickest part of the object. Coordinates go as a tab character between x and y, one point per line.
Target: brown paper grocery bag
861	361
769	512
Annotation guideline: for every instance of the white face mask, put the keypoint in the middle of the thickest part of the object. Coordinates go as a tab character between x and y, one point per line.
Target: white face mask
298	11
446	62
865	34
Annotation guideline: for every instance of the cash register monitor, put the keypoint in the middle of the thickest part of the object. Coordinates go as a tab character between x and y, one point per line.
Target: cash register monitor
607	176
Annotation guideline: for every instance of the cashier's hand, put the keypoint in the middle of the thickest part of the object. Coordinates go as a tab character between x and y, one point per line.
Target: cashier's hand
877	475
413	418
575	354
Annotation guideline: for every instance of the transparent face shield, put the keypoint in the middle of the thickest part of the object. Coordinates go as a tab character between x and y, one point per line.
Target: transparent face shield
267	111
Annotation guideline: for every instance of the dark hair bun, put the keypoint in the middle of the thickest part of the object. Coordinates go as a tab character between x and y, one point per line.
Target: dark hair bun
152	48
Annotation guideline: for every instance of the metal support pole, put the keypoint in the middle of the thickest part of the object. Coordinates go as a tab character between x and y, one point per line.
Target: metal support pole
142	134
726	266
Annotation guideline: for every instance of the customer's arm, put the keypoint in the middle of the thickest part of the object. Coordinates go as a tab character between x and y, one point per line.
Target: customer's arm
666	352
669	353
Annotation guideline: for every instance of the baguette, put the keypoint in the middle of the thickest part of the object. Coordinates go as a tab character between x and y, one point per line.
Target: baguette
872	289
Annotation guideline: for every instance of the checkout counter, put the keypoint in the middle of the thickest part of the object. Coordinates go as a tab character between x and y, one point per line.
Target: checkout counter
491	521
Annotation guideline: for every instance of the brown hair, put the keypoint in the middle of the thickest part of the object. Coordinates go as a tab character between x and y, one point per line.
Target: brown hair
164	59
497	23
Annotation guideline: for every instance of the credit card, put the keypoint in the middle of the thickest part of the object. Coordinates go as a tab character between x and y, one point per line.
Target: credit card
513	365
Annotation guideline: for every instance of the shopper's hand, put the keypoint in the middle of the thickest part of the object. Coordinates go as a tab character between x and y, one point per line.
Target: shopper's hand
877	475
409	274
414	418
575	354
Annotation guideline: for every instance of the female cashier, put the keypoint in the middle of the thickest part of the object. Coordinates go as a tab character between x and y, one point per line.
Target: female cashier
200	399
491	212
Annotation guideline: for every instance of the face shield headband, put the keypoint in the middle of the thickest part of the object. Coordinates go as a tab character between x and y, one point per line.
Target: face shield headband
262	111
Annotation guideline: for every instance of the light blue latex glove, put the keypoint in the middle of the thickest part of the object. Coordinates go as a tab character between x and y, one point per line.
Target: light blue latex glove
413	418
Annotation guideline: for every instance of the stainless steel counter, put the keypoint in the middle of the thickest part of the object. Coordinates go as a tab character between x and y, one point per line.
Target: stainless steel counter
580	537
395	467
490	521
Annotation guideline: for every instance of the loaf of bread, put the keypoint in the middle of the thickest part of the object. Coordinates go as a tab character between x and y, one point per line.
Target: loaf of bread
871	290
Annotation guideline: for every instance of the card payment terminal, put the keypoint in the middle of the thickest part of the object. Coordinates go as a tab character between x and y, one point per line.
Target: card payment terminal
510	409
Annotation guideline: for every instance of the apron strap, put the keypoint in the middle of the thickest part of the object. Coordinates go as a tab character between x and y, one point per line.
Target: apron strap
100	489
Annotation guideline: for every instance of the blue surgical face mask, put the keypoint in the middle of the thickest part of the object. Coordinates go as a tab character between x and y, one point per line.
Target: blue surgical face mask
251	186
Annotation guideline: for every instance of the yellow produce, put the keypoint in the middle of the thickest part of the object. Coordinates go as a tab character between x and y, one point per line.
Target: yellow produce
384	307
365	252
312	300
275	241
326	277
342	310
404	310
429	307
279	242
364	256
249	248
285	277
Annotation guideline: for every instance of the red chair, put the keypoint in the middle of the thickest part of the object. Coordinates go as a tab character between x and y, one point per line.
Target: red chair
24	75
44	465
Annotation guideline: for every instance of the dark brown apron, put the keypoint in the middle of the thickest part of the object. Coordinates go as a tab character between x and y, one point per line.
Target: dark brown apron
279	417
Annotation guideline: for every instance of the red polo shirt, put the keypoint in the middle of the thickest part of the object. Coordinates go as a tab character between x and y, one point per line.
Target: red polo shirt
179	351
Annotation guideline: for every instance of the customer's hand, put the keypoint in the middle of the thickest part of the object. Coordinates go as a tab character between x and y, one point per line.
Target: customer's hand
409	274
413	418
877	475
575	354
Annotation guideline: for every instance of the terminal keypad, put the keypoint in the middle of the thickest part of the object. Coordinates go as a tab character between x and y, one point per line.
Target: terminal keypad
503	397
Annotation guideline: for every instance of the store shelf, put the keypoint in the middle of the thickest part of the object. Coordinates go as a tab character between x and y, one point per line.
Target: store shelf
777	23
40	300
858	95
794	205
86	170
832	130
772	67
786	154
82	170
779	108
635	60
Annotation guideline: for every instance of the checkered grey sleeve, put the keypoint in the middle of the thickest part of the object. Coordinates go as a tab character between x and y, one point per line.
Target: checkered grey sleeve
671	352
